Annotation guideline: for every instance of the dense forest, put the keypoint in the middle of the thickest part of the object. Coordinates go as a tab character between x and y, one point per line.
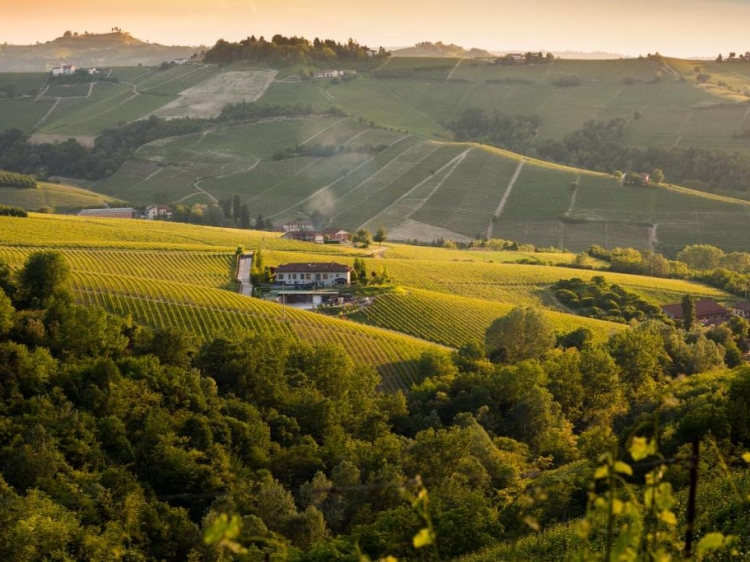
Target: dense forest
284	51
118	441
600	146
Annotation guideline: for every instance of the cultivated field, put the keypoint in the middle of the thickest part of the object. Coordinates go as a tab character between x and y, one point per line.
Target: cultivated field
165	274
207	99
421	189
53	197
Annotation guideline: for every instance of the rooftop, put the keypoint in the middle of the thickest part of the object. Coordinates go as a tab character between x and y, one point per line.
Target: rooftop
703	307
331	267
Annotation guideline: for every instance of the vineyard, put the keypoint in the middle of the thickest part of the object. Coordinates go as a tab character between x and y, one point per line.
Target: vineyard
12	179
165	274
454	320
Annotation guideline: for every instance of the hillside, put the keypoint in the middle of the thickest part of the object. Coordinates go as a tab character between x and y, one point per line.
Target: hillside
392	163
164	274
54	197
422	189
92	50
440	49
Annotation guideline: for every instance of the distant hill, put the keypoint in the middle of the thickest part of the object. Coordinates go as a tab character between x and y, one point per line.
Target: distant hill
89	50
440	49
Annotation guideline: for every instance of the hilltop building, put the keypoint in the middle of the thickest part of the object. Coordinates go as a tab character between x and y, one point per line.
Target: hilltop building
64	70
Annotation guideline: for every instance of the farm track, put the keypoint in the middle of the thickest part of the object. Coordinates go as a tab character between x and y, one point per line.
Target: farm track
450	74
505	198
453	164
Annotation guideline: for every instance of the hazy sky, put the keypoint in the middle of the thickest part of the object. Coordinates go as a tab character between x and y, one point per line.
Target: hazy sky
630	27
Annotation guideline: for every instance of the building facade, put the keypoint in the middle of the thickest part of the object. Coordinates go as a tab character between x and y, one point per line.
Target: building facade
316	274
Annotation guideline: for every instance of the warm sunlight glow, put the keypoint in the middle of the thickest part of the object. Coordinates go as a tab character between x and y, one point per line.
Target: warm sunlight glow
676	27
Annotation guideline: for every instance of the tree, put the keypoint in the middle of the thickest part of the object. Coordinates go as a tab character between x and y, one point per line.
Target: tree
45	276
688	312
236	208
260	223
362	238
657	176
525	333
244	216
380	236
700	256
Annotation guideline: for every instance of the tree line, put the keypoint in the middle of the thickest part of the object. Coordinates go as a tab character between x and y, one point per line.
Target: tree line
284	51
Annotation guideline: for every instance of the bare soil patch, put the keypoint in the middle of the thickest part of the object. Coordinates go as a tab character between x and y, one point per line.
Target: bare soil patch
205	100
54	139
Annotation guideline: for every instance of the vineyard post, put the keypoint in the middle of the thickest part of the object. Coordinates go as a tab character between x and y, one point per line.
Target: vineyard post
691	498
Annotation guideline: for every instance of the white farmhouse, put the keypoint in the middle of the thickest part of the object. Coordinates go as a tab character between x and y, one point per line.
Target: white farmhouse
318	274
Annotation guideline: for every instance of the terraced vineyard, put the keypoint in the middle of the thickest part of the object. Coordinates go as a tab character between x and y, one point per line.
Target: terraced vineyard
165	274
454	320
59	198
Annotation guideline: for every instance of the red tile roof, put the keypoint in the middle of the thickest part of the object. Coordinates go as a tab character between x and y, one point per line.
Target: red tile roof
703	308
313	268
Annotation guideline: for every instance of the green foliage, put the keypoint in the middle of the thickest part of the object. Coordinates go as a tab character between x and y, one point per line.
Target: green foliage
599	299
44	277
513	132
11	179
288	50
525	333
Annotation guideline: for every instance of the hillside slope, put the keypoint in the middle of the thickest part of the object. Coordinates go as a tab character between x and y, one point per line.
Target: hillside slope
105	49
422	189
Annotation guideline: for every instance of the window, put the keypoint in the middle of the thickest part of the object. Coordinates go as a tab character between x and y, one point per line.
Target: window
294	276
325	276
281	276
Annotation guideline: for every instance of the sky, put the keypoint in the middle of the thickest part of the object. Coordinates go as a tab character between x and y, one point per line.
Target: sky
682	28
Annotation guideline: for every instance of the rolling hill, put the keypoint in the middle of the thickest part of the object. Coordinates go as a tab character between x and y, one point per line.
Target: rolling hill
422	189
89	50
165	274
392	162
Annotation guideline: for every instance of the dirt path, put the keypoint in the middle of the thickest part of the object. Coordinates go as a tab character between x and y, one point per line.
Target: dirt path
452	164
46	115
450	74
506	196
196	183
652	240
322	190
573	198
316	135
402	100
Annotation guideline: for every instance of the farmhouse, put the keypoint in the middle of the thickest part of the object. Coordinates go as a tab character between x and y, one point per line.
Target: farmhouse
154	212
64	70
336	235
316	274
706	312
298	225
516	58
110	213
304	236
741	309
